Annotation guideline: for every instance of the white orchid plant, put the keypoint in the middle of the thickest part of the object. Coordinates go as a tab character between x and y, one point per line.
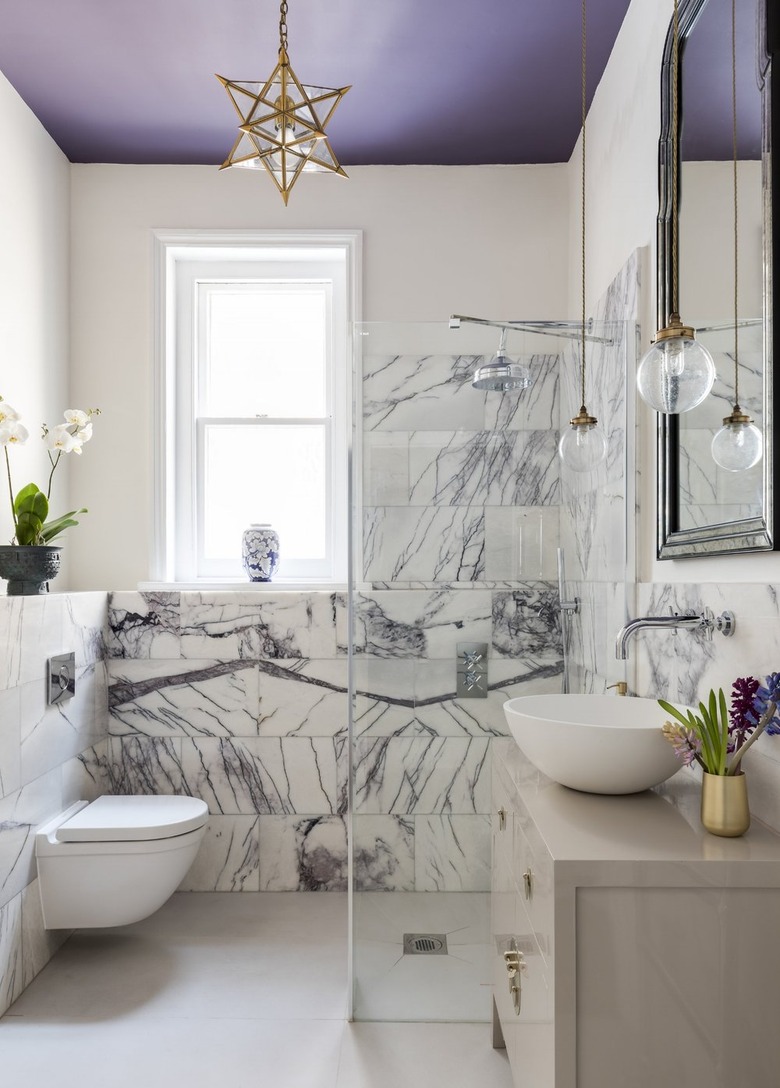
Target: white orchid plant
30	506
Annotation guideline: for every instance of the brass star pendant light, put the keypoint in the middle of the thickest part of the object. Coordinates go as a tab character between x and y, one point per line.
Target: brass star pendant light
283	122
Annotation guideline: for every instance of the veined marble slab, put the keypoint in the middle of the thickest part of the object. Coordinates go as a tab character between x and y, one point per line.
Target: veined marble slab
424	543
399	392
233	626
435	775
384	853
415	623
184	698
144	625
463	468
268	775
452	853
228	859
303	853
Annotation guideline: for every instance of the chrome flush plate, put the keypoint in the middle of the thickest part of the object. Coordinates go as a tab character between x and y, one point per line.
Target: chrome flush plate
61	678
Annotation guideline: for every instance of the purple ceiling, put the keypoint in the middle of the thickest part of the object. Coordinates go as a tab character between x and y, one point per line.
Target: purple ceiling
434	82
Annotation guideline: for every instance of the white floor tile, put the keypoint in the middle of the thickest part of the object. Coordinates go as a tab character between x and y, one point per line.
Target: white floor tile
198	1053
421	1056
249	991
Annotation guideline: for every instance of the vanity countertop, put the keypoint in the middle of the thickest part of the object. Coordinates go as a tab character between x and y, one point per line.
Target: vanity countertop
596	839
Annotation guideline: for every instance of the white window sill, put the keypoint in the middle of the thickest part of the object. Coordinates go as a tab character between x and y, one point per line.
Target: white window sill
276	586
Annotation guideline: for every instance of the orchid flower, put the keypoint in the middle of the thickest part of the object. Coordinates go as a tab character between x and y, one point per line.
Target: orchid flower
30	506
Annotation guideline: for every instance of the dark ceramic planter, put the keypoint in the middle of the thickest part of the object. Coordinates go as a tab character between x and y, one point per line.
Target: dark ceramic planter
28	569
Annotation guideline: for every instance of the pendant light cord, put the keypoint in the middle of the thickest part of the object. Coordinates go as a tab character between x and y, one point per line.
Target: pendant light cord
283	27
582	195
675	154
736	220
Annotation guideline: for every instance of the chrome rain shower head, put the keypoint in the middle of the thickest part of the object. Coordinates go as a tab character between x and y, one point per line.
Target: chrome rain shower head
502	374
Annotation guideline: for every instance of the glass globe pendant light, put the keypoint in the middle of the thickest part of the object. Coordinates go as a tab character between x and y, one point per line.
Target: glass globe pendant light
739	444
583	447
677	373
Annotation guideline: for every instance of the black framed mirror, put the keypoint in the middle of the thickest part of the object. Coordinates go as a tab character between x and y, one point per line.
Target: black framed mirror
702	509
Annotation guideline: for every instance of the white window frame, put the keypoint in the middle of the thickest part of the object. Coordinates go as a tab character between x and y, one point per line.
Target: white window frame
181	259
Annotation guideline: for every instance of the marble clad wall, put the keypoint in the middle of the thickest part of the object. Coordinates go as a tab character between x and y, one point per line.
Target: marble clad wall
49	757
461	503
239	698
242	699
598	507
683	667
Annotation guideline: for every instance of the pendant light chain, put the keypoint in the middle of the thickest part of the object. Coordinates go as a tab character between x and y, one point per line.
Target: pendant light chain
582	195
675	153
736	220
283	26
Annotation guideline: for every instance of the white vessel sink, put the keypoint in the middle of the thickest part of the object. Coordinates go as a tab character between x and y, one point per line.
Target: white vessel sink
594	743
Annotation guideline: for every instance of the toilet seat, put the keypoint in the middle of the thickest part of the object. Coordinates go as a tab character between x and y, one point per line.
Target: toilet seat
136	818
116	860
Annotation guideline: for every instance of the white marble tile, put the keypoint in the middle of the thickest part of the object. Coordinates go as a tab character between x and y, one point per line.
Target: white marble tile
228	858
434	775
144	625
86	777
464	468
267	775
184	698
401	391
50	735
20	815
439	713
452	853
303	698
526	622
11	641
303	853
255	625
428	544
521	542
39	630
535	408
85	626
11	969
384	853
38	944
416	623
385	468
10	741
384	697
146	765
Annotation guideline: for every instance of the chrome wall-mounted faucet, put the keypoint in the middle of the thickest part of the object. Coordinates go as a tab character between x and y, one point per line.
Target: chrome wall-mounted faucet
703	624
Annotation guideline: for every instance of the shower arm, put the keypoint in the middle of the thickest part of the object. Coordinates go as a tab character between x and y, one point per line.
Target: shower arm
571	330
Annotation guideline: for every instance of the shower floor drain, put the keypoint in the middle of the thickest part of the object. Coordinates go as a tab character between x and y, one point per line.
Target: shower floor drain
425	944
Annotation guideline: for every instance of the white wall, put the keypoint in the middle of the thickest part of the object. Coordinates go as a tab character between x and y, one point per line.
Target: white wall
488	241
34	214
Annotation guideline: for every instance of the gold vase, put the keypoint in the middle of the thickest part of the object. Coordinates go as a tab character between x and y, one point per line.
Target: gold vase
724	804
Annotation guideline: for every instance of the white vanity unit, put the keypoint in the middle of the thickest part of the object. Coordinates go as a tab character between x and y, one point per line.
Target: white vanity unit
631	948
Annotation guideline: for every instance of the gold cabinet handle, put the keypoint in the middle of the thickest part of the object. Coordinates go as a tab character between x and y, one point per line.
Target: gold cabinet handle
515	966
528	884
502	819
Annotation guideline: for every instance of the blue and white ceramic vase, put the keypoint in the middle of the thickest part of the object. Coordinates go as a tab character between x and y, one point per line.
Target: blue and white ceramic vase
260	552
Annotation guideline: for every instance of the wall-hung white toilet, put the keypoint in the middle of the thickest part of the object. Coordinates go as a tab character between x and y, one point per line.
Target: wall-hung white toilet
117	859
